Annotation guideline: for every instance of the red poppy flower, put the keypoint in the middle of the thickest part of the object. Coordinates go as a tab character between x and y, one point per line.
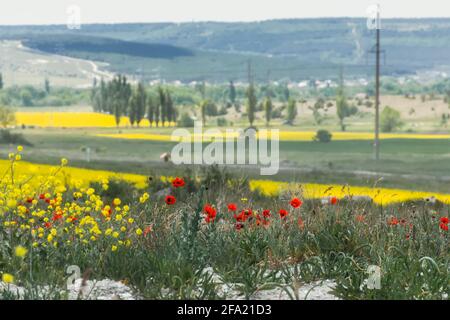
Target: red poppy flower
283	213
109	211
47	225
178	182
209	210
239	226
232	207
333	200
42	196
266	213
57	216
241	217
296	202
147	230
170	200
444	226
262	221
29	200
444	220
393	221
360	218
210	213
258	220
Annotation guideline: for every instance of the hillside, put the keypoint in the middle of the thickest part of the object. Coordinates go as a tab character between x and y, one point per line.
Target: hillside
66	45
279	49
22	66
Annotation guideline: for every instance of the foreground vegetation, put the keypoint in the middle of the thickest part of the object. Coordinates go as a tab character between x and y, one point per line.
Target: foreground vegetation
164	240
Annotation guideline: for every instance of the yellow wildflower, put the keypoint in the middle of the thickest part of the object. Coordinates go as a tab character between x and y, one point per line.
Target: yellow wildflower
11	203
7	278
21	251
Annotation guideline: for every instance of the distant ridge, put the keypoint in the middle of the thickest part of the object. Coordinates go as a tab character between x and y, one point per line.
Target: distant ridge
295	49
66	45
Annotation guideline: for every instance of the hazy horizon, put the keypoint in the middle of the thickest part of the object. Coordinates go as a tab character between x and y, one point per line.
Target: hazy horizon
54	12
217	21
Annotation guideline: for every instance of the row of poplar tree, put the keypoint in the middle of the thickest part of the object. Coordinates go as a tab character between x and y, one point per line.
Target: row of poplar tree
120	98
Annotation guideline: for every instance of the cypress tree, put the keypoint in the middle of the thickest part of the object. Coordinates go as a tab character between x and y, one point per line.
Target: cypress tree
251	104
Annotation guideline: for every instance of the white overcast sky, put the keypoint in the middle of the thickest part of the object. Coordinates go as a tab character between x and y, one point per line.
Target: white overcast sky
111	11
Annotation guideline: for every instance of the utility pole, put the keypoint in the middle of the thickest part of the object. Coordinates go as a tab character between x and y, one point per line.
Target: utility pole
377	88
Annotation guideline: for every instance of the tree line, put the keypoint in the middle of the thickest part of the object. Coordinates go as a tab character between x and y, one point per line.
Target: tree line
119	98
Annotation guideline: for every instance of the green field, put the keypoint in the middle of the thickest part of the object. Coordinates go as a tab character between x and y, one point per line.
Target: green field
406	163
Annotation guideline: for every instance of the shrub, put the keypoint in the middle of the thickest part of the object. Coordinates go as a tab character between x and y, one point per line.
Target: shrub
7	137
27	98
222	122
276	113
390	119
117	188
211	109
7	116
185	120
323	136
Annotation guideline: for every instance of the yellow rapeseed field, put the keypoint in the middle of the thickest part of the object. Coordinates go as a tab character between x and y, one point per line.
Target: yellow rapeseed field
283	135
136	136
99	120
34	174
315	191
308	136
37	174
74	120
